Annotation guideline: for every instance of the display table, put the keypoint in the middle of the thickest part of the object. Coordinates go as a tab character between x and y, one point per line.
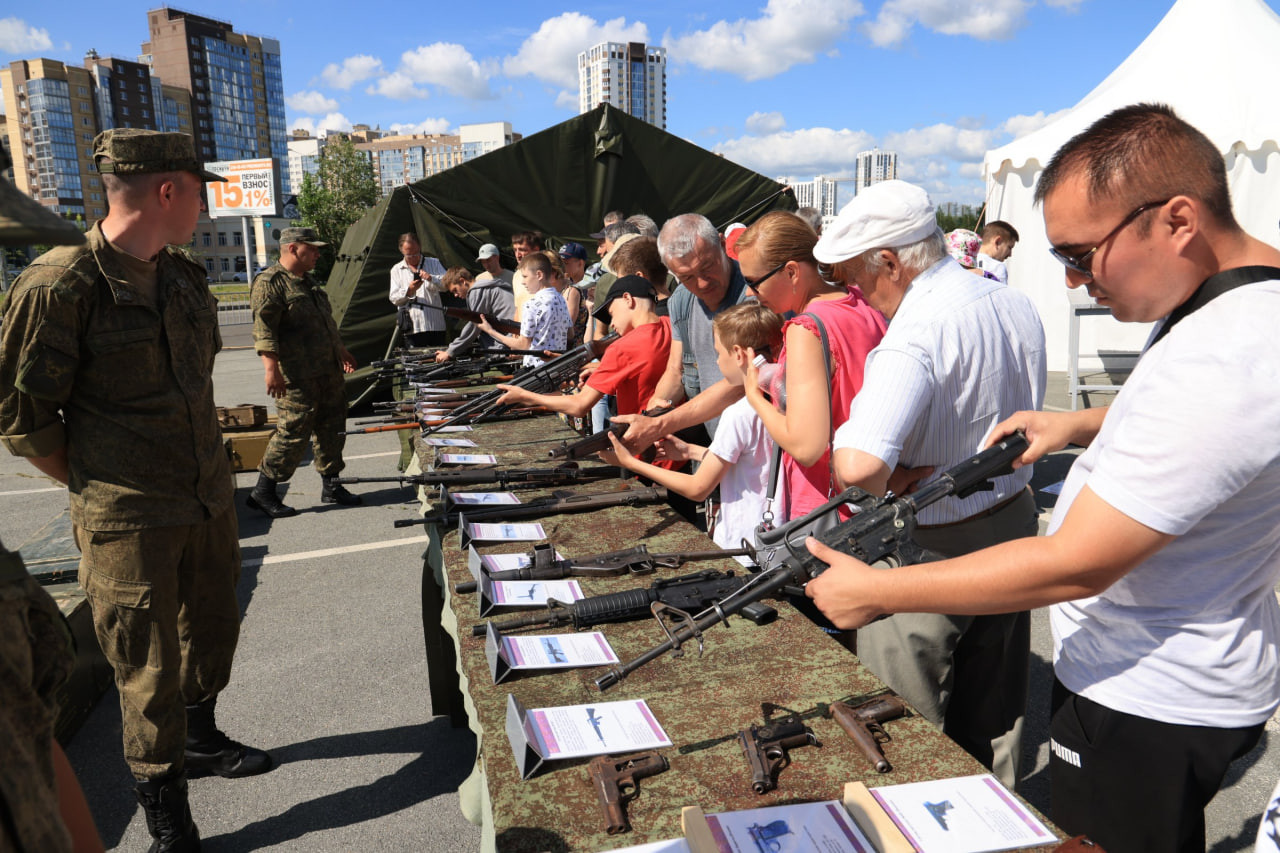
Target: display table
700	702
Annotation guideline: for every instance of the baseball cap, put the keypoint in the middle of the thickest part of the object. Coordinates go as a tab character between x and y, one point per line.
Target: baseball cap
133	151
573	250
731	235
23	221
301	235
633	284
488	250
883	215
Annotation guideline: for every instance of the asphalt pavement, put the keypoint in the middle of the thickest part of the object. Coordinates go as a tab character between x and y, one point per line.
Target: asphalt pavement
330	675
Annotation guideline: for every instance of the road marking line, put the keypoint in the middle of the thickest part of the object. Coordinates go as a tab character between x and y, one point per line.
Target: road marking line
372	455
272	559
33	491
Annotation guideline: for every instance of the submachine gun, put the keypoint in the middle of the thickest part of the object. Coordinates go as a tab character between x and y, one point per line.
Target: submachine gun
882	529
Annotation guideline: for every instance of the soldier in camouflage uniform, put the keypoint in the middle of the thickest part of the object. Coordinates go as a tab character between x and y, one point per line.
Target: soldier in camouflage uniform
106	360
37	789
304	359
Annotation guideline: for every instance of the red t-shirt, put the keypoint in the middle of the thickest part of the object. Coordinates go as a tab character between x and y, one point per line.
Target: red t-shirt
632	366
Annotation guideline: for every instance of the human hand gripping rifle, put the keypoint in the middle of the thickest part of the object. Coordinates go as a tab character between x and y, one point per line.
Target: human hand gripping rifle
543	379
688	593
881	530
545	566
593	444
617	781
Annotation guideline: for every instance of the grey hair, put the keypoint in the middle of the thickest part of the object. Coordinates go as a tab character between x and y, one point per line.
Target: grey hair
916	257
614	216
617	229
813	216
648	228
681	234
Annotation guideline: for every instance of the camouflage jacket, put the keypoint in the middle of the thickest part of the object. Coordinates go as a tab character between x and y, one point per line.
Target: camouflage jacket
125	387
293	319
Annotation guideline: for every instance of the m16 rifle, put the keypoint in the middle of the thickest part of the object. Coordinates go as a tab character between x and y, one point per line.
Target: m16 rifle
555	505
881	530
506	477
545	566
695	591
593	444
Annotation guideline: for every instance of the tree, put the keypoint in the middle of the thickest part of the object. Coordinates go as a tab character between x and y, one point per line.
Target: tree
332	200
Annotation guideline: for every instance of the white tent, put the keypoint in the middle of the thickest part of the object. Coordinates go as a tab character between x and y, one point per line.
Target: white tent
1217	63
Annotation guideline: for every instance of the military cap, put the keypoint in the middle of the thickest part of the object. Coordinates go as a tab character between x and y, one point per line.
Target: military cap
301	235
23	221
132	151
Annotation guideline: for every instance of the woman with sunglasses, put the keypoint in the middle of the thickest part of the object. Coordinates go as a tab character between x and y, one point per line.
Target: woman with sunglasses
776	256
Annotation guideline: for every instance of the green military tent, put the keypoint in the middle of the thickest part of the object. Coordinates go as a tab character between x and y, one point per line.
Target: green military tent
560	181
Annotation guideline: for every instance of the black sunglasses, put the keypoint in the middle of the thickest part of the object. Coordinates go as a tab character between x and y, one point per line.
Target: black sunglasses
1083	264
755	285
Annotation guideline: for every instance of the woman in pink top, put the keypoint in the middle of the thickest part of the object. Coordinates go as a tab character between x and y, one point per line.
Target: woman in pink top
776	256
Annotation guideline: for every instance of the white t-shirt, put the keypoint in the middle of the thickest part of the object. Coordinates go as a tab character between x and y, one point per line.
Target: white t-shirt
1190	447
546	324
986	263
745	446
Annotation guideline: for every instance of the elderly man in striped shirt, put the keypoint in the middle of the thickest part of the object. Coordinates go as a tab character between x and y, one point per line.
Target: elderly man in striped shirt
961	354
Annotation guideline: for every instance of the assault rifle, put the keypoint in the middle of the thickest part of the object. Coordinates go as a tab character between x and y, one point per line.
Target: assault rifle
507	327
392	424
505	477
881	530
554	505
544	566
543	379
593	444
690	592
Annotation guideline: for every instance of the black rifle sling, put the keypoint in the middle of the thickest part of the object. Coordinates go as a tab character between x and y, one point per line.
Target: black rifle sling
1213	287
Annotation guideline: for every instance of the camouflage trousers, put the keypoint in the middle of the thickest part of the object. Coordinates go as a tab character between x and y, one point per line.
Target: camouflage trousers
35	659
316	410
166	616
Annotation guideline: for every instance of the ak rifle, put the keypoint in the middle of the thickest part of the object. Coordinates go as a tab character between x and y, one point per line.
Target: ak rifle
545	566
505	477
690	592
629	496
394	424
593	444
506	327
543	379
882	529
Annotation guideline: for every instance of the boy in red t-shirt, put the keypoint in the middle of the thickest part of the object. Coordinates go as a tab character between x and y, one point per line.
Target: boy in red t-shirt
632	365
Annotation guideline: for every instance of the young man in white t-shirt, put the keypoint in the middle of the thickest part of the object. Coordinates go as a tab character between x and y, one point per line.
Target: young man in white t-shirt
545	324
998	240
738	458
1164	550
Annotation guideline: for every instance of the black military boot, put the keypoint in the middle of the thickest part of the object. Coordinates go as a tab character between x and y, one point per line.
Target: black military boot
164	802
335	493
264	497
209	750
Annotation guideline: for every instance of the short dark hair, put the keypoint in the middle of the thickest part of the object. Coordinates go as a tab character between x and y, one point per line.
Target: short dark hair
999	228
533	239
617	229
639	255
1140	154
132	188
457	275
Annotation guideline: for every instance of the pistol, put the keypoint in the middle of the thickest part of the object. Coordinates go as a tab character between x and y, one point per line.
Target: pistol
766	748
617	782
863	724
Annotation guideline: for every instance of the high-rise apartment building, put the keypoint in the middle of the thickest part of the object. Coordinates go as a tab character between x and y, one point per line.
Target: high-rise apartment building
873	167
304	158
404	158
479	139
629	75
819	193
235	81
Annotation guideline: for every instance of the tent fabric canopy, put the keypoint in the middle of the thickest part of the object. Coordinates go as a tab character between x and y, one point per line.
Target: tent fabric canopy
560	181
1212	61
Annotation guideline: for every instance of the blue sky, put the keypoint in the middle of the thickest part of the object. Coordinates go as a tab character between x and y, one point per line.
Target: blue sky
787	87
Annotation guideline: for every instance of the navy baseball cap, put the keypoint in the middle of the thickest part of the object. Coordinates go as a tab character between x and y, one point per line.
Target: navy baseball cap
573	250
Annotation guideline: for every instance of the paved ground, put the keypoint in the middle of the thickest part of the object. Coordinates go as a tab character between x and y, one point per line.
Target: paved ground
330	677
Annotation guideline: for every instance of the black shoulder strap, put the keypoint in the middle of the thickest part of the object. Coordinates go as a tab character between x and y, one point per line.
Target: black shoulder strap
1213	287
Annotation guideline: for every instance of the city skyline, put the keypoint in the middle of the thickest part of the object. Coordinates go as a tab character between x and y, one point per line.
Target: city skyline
794	87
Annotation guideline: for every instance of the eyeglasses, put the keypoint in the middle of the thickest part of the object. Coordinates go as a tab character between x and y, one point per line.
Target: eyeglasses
1082	264
755	285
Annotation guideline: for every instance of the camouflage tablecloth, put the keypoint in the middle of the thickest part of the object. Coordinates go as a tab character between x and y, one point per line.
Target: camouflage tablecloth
700	702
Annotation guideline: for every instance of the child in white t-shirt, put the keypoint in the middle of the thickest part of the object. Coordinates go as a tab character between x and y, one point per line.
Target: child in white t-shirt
738	458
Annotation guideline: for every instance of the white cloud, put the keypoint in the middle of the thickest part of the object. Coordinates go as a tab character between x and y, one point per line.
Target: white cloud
551	54
566	100
1021	125
762	123
427	125
397	85
317	127
449	66
986	20
353	70
17	37
311	102
799	153
939	141
788	33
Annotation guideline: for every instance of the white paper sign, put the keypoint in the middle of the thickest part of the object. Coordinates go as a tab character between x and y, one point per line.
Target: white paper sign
968	814
575	731
484	498
800	828
558	651
450	442
534	593
468	459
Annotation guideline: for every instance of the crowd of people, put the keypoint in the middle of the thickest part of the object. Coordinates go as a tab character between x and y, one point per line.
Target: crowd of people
772	365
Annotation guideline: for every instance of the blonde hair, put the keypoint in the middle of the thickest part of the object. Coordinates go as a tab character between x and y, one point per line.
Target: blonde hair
778	237
751	326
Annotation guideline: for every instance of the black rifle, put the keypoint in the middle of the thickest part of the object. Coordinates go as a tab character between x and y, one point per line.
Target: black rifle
559	475
593	444
690	592
881	530
544	379
544	566
506	327
630	496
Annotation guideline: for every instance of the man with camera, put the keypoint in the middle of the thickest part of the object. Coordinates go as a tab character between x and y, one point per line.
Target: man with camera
416	284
